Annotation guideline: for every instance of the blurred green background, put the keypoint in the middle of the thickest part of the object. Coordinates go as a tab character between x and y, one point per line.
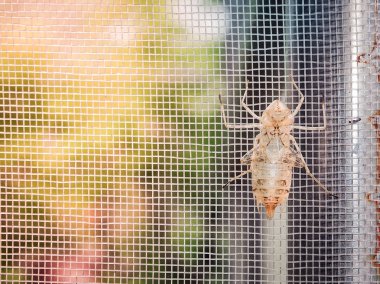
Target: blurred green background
109	132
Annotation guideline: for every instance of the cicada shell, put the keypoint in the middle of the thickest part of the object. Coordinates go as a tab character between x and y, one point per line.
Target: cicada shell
275	152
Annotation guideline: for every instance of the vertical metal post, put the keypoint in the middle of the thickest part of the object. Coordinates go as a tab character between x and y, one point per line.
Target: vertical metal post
274	242
365	93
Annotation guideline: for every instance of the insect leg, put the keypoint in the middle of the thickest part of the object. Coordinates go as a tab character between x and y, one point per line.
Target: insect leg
300	94
299	107
236	178
307	168
248	157
244	105
315	127
238	126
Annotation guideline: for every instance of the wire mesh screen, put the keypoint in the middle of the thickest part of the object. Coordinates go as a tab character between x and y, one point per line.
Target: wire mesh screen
114	152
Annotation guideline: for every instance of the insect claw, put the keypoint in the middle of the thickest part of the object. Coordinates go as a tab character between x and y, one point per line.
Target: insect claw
328	192
323	99
220	99
334	195
227	183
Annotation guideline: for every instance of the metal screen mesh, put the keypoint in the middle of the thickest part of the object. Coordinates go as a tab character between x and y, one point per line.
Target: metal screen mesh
114	153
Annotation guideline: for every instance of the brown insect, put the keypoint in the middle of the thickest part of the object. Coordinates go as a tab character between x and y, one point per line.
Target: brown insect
372	57
275	151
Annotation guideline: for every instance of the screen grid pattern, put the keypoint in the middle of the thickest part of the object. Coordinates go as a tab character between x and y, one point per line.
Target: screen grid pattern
114	154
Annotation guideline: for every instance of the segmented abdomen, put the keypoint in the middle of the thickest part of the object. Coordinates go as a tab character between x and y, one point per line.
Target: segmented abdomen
271	184
272	176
